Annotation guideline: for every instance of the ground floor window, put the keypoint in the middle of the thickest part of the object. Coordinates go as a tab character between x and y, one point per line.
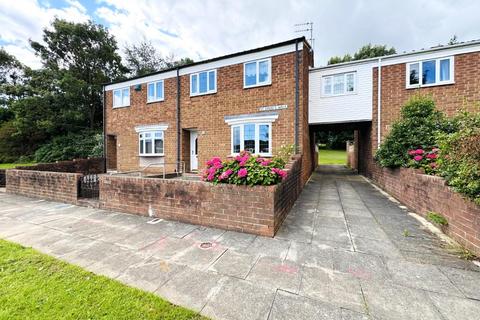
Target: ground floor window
252	137
151	143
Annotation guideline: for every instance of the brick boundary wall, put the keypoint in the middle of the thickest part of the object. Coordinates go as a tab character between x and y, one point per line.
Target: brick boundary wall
422	193
2	178
258	210
85	166
56	186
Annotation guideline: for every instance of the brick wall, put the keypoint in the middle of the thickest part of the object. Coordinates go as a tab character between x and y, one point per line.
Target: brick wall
85	166
56	186
257	210
422	193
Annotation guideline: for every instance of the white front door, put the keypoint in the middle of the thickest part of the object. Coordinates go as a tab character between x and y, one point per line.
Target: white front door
193	150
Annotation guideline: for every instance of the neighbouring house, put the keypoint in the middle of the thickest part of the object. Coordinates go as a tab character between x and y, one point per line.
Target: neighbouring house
256	100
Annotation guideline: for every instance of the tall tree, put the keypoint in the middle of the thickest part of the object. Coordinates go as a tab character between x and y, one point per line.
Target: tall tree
143	58
80	57
367	51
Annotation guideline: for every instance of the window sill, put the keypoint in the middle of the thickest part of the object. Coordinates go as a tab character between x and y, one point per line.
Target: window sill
257	85
151	155
339	95
155	101
119	107
202	94
260	155
419	86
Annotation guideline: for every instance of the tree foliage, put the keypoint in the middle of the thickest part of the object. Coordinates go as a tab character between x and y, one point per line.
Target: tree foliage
143	58
367	51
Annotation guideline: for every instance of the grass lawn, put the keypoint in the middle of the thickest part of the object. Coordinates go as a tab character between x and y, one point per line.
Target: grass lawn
36	286
332	156
13	165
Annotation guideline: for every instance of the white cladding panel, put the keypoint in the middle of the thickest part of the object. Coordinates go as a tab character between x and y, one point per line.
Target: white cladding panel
341	108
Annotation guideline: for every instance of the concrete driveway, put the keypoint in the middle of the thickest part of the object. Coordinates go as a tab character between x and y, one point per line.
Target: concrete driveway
344	252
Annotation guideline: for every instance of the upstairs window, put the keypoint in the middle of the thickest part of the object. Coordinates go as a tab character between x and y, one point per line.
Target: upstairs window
339	84
155	91
204	82
150	143
121	97
430	72
257	73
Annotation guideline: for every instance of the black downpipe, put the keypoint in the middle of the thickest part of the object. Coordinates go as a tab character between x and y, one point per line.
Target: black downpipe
179	131
104	147
296	97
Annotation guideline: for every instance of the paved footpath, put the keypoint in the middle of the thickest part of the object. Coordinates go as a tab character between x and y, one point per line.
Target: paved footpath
342	253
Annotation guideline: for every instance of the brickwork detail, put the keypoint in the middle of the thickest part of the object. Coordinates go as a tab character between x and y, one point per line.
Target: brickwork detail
56	186
422	193
257	210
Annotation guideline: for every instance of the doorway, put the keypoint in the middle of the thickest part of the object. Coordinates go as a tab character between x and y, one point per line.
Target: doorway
193	150
111	152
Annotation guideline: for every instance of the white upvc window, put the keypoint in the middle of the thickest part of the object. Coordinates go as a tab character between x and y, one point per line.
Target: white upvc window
150	143
255	138
257	73
339	84
121	97
204	82
431	72
155	91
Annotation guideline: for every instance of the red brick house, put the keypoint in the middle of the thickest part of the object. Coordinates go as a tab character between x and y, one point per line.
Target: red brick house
255	100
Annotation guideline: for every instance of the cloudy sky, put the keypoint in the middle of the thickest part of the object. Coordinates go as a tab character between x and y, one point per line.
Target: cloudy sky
209	28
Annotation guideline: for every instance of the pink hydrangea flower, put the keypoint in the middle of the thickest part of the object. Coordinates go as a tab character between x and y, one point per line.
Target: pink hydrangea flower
260	160
210	177
432	156
214	161
419	151
279	172
266	162
242	173
435	150
418	158
411	152
433	165
225	174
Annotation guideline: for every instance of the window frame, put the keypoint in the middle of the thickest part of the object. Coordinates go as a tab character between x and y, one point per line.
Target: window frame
332	84
155	91
257	74
121	105
437	73
257	138
197	74
152	139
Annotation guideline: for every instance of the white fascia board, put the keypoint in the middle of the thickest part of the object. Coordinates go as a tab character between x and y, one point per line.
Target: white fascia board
208	66
151	127
447	52
152	78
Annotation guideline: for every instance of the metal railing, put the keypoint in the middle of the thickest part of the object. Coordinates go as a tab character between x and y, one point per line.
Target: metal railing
179	169
88	186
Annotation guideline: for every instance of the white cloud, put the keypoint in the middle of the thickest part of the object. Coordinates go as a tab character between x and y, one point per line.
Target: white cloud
26	19
209	28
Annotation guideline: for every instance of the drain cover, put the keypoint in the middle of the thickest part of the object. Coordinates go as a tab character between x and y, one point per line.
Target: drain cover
154	221
205	245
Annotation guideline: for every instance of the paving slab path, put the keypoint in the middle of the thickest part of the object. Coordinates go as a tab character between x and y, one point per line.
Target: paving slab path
345	251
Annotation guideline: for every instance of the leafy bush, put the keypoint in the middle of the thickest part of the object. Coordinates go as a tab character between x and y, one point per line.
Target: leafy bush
286	152
459	158
71	146
424	159
245	169
417	128
437	218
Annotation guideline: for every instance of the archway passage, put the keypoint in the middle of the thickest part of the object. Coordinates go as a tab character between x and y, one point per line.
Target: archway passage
330	140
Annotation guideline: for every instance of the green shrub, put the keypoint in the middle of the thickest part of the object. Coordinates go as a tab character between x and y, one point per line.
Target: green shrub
245	169
71	146
417	128
437	218
459	158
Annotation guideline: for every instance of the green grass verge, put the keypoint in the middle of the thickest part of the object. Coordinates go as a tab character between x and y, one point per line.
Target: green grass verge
13	165
36	286
332	157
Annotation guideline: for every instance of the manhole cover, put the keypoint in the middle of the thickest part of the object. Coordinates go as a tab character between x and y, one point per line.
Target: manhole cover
205	245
